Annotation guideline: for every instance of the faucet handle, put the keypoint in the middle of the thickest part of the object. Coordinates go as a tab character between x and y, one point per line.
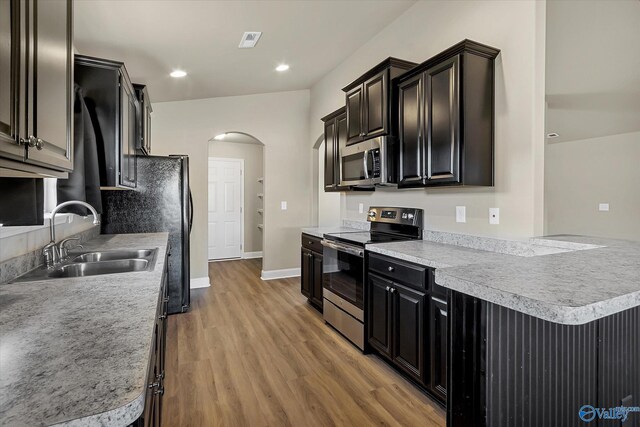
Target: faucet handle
64	250
51	255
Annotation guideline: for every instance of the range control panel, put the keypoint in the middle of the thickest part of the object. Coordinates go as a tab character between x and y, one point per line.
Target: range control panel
408	216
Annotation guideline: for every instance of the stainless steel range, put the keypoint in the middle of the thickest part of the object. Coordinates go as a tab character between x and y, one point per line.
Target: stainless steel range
343	269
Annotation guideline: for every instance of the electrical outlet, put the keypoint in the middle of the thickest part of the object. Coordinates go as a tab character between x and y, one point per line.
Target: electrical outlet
461	214
494	216
361	207
283	205
603	207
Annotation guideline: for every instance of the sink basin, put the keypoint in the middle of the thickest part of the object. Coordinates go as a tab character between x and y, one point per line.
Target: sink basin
96	263
114	255
81	269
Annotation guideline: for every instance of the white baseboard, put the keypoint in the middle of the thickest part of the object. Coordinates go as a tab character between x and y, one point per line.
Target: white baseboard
280	274
199	282
250	255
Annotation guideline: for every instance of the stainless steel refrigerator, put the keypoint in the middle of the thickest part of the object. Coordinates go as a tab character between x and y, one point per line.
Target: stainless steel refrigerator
161	201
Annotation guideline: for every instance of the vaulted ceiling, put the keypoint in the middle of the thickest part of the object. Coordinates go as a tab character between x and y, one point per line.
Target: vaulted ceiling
592	68
201	37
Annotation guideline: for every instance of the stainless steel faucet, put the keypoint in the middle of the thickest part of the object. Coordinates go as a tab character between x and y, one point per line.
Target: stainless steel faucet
51	251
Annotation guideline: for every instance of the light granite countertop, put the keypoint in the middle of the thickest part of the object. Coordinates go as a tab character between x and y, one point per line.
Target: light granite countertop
75	351
320	231
571	287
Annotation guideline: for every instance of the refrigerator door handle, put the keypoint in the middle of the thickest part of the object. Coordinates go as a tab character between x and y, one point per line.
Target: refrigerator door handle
190	211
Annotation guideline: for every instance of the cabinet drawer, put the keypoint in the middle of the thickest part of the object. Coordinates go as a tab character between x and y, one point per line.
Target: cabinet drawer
312	243
399	271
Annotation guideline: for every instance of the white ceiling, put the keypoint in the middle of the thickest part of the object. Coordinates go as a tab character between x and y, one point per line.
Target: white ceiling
592	68
154	37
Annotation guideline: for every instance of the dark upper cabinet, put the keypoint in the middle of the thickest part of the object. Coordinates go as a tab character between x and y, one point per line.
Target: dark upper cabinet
114	110
379	314
368	101
335	138
144	120
446	114
311	264
36	87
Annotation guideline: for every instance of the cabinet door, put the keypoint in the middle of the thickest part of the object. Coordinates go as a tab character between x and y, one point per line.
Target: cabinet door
341	142
443	122
306	267
11	68
128	135
379	313
329	155
408	330
438	345
316	287
354	115
411	132
375	105
50	84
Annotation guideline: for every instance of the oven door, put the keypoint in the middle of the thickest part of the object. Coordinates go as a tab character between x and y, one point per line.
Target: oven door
343	271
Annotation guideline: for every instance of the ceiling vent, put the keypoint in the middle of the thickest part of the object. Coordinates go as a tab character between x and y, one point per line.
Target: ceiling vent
249	39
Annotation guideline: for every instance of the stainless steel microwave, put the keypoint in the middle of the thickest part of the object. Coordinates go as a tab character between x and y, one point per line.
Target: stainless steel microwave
367	163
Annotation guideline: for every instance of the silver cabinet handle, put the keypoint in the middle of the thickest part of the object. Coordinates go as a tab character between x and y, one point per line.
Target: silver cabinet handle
388	288
391	269
393	290
154	385
443	302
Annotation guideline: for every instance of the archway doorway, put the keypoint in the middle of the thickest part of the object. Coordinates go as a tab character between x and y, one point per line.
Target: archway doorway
236	214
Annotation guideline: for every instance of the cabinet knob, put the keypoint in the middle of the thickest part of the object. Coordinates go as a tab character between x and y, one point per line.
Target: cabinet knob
159	391
310	242
393	290
391	269
162	317
166	299
388	288
32	142
154	385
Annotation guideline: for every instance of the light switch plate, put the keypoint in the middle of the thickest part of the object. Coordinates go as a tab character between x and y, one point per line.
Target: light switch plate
494	216
461	214
603	207
283	205
361	207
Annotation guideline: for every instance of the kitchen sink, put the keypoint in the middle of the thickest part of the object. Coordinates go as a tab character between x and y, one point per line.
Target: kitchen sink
96	263
82	269
114	255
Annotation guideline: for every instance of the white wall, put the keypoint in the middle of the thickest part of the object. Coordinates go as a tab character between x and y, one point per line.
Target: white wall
253	162
427	28
280	122
328	202
582	174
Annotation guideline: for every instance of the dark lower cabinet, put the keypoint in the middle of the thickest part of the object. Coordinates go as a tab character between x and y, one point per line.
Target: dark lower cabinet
152	415
407	322
408	308
438	331
311	262
379	309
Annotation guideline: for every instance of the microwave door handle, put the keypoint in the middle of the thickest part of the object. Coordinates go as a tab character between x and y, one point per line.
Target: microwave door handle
366	166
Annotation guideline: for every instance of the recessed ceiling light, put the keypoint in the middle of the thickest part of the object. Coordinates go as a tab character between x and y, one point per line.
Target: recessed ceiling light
220	137
552	135
178	73
282	67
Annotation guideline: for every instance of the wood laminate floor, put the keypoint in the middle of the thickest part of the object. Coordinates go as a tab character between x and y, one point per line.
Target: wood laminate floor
254	353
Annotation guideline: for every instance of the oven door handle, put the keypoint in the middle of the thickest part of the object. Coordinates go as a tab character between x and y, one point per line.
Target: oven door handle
343	248
365	164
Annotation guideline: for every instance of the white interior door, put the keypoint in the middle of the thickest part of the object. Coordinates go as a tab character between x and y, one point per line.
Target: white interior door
225	208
